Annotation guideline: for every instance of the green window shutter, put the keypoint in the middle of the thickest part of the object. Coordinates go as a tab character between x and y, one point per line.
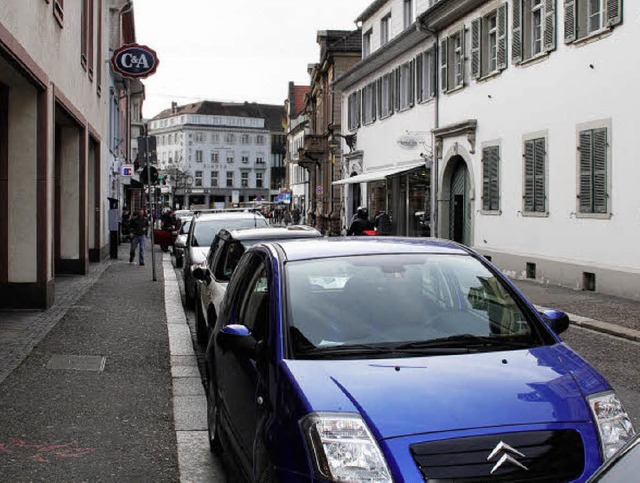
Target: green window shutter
476	25
539	157
419	77
432	71
374	98
398	81
463	54
495	178
600	171
359	108
412	82
529	176
614	12
502	36
444	71
392	92
549	25
570	21
486	181
516	32
586	178
379	96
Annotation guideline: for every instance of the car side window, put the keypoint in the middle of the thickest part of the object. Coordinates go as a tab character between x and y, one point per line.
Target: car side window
215	247
254	304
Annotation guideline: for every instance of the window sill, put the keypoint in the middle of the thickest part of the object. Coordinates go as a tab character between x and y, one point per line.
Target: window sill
489	75
536	59
491	212
455	89
427	100
534	214
594	216
593	37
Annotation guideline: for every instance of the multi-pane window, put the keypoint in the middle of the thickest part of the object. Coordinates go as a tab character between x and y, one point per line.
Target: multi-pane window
369	104
452	54
585	17
244	179
260	159
170	139
489	43
231	138
199	137
229	179
230	157
535	196
593	195
198	156
245	158
197	179
214	157
215	138
425	75
214	179
385	26
354	109
366	43
491	178
244	139
260	139
259	177
385	95
533	28
405	85
407	13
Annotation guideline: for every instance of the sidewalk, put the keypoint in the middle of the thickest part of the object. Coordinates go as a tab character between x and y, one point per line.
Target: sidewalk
86	386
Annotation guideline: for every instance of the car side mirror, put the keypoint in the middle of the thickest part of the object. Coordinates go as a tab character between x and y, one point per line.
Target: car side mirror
180	244
557	320
238	339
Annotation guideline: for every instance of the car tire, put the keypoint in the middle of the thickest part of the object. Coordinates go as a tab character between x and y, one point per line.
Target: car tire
202	334
213	421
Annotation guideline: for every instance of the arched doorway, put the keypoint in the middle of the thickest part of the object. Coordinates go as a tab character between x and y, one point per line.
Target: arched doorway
459	219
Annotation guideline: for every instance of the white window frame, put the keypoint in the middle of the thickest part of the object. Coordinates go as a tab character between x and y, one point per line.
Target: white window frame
244	179
533	29
535	178
259	180
198	156
229	179
385	29
491	167
426	75
366	43
407	13
197	179
214	179
605	185
369	104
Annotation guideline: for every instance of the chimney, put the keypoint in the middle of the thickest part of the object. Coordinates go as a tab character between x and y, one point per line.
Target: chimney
174	107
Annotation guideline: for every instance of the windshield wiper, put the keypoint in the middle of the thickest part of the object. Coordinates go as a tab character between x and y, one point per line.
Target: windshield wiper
466	340
345	350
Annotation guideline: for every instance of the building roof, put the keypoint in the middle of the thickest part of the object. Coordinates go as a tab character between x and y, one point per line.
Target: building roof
332	41
272	114
299	93
370	10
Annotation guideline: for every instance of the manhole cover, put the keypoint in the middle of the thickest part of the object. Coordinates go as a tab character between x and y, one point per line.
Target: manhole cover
77	363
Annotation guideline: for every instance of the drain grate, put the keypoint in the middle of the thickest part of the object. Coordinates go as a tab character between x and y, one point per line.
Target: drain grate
77	363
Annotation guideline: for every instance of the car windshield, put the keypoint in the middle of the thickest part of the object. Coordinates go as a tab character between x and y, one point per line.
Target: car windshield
205	230
389	305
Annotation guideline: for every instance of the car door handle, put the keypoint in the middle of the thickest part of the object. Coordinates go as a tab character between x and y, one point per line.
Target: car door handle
260	400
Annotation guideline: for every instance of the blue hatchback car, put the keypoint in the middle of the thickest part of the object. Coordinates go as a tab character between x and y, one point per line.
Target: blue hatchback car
388	359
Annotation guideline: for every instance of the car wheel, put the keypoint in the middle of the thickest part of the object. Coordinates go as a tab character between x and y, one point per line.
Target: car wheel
202	334
213	423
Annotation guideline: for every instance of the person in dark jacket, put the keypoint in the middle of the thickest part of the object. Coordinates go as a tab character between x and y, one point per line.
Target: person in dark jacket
360	223
139	225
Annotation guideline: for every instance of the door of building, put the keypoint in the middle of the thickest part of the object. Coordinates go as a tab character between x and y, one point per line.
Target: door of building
459	223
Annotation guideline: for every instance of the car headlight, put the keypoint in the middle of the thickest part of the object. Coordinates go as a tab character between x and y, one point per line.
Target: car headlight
343	449
614	425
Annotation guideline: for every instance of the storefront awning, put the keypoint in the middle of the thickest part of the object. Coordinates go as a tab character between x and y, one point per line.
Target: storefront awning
380	174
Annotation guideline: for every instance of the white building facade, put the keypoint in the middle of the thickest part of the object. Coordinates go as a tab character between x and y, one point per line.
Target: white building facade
213	160
530	134
388	110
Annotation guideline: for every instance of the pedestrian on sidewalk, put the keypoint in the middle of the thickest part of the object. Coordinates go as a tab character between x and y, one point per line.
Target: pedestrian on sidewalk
139	225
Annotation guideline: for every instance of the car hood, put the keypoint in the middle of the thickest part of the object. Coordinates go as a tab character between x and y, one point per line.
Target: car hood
398	397
199	255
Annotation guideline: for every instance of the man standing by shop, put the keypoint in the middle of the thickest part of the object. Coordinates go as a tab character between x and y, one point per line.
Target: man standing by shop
139	225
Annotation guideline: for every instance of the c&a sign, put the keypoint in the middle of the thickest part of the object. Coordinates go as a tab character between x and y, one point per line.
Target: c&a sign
133	60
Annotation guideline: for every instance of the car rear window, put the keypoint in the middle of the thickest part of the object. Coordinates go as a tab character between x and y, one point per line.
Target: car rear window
204	231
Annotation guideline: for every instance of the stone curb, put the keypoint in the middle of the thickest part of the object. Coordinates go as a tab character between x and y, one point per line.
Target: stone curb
599	326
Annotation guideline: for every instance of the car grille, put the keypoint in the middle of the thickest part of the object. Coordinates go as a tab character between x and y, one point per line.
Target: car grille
549	456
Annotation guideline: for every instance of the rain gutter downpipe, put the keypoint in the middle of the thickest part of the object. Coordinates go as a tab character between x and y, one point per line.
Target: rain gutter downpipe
436	124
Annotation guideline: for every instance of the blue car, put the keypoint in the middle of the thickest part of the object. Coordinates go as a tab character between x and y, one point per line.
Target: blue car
389	359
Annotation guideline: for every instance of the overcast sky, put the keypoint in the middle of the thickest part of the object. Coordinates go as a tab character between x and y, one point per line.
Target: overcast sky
234	50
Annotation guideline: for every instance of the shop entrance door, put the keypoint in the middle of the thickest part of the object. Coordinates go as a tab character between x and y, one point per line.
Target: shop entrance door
459	224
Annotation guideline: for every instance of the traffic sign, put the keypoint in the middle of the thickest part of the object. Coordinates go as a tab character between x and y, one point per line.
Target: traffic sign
134	60
319	190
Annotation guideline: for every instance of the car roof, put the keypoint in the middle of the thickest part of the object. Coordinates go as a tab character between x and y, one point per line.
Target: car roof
375	245
227	215
266	233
